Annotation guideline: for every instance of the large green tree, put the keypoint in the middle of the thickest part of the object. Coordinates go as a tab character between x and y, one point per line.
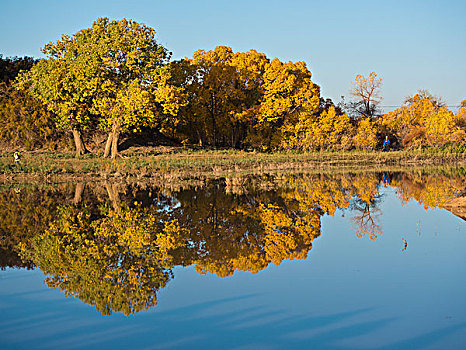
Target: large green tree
114	75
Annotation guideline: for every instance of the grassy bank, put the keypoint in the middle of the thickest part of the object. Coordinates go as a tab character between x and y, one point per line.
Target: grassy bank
148	162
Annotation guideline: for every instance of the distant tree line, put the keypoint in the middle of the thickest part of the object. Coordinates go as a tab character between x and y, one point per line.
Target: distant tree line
114	79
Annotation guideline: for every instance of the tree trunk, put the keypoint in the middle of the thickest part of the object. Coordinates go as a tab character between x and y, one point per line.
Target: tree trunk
116	135
234	135
108	144
78	141
111	146
214	124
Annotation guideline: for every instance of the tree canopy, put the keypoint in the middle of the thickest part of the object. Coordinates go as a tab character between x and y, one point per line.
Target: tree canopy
114	75
243	99
424	121
115	79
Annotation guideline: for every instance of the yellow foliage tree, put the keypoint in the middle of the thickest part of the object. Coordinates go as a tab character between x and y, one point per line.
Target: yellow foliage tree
327	130
239	98
440	127
113	74
24	121
423	121
460	121
287	94
366	135
223	92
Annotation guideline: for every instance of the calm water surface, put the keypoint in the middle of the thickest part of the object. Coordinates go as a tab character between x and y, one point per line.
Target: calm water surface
354	261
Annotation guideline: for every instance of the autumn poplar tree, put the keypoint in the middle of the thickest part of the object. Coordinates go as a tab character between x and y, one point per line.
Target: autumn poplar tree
423	120
62	83
113	74
24	121
243	98
214	91
223	89
287	93
135	88
461	116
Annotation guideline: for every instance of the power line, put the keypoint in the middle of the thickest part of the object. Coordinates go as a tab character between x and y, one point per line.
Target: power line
405	106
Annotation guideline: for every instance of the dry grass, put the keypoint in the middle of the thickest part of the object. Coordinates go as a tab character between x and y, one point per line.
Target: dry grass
146	162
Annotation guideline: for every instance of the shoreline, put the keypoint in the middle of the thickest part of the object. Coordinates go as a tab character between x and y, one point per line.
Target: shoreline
172	162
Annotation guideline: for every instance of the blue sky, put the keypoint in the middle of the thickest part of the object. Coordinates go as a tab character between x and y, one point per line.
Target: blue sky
410	44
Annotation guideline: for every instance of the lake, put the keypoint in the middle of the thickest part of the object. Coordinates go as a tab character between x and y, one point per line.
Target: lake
265	261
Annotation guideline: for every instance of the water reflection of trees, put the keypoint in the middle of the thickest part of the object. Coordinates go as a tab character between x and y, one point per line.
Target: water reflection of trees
429	190
115	245
366	213
366	219
229	232
24	213
116	259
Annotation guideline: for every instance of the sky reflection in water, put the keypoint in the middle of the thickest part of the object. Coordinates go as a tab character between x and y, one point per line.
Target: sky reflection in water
350	291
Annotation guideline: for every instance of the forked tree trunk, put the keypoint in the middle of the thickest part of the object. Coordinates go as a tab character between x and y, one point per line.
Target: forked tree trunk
78	141
111	146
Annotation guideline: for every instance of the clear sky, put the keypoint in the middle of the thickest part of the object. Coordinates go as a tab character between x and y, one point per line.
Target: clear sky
410	44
